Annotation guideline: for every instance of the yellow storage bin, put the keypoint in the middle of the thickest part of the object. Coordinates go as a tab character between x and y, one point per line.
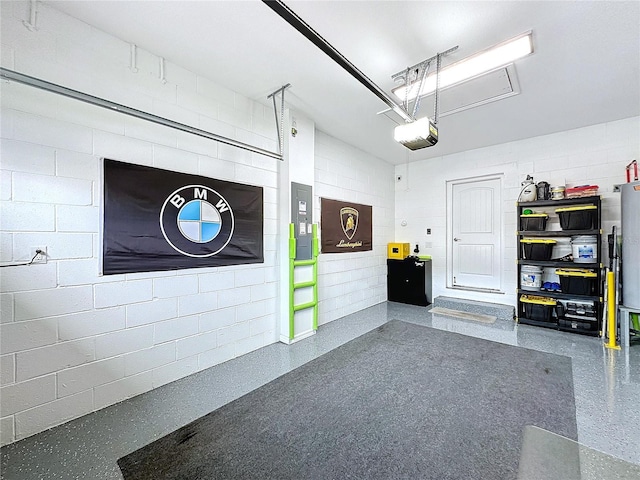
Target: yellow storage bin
576	272
578	218
533	222
538	300
398	251
538	308
577	281
576	209
537	248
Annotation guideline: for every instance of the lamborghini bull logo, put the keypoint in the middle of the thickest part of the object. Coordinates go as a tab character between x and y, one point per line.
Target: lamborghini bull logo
349	221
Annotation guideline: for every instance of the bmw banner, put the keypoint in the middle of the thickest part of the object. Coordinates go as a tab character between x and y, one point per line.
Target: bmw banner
162	220
345	226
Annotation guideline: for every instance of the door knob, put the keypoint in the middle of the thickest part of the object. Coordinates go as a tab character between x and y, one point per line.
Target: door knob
456	239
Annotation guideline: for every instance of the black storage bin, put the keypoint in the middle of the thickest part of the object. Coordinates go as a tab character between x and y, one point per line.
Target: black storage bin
537	248
578	218
535	222
538	308
579	310
577	282
578	324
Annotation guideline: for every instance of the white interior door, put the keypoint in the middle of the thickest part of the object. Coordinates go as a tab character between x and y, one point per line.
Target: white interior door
476	234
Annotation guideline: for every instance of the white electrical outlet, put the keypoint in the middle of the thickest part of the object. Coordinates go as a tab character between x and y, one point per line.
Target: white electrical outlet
39	254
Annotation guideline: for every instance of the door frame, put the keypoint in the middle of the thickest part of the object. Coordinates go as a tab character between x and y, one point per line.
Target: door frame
449	249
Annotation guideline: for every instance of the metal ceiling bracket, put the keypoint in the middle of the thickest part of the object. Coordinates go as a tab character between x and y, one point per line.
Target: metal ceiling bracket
162	75
415	71
416	103
133	58
435	103
32	23
418	73
301	26
109	105
279	125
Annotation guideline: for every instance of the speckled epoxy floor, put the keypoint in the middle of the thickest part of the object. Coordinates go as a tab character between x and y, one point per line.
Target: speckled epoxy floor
606	384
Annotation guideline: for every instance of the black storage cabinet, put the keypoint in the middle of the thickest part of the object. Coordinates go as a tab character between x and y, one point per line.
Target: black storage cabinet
409	281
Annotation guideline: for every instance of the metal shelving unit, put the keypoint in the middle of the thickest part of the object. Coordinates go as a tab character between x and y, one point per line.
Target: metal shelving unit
596	299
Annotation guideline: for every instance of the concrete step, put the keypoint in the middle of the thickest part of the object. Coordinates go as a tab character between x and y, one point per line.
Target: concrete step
500	311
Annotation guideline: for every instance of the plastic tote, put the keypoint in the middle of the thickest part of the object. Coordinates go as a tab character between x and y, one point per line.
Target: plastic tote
537	248
578	218
534	222
577	281
538	308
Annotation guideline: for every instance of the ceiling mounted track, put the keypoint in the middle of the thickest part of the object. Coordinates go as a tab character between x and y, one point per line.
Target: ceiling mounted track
301	26
109	105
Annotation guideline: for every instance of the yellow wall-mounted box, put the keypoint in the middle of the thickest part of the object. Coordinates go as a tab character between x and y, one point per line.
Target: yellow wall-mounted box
398	250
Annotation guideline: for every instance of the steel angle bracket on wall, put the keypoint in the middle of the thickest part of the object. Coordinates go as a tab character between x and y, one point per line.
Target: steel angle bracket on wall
313	283
279	125
11	75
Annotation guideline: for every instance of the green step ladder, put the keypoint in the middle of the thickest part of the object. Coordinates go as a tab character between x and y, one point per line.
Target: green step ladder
313	283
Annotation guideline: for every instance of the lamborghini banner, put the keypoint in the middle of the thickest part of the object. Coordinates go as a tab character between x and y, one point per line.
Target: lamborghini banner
162	220
345	227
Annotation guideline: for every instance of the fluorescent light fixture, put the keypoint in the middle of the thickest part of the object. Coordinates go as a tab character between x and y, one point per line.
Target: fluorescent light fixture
473	66
419	134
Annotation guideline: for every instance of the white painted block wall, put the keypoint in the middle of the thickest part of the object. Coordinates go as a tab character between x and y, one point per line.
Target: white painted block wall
349	282
590	155
72	341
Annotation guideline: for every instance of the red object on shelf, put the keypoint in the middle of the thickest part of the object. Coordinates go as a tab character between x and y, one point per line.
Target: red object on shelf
633	164
581	191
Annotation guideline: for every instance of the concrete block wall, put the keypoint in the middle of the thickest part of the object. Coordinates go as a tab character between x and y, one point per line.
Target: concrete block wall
590	155
73	341
348	282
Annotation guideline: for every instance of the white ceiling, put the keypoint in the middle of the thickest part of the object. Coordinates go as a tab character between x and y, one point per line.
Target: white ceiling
585	69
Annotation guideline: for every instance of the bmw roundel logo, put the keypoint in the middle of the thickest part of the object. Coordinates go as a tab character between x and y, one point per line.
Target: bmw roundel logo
196	221
199	221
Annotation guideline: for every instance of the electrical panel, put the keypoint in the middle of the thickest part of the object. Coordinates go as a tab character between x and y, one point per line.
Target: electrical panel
302	219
